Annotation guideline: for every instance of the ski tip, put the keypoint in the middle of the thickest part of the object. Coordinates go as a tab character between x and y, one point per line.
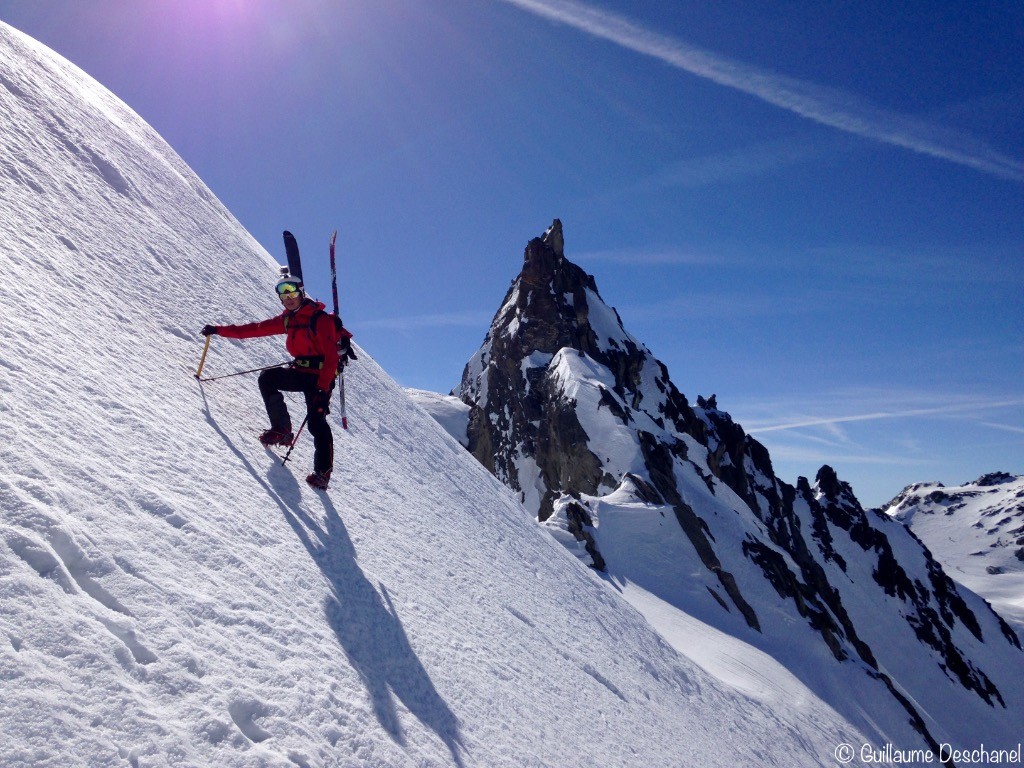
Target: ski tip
344	422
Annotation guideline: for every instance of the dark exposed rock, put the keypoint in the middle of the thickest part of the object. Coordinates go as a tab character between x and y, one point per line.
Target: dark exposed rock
659	461
828	482
581	526
995	478
642	489
534	419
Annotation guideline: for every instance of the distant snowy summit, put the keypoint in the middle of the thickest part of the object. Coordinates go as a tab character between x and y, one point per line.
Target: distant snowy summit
577	416
993	504
976	530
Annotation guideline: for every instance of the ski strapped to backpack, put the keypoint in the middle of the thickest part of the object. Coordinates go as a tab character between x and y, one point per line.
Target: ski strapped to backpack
291	249
345	352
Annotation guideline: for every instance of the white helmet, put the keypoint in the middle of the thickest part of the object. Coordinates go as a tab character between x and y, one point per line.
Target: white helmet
287	284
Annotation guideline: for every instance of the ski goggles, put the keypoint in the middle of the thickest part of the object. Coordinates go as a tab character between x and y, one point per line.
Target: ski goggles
288	290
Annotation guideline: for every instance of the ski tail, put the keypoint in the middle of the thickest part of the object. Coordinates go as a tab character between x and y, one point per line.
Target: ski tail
291	249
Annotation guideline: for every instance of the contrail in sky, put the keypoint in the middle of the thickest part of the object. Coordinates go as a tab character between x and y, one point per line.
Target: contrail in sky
824	105
903	414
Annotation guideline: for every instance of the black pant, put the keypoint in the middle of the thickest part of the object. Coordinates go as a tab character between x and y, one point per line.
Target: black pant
278	380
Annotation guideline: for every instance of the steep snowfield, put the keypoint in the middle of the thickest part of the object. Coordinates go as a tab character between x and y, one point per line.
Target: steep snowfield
447	410
172	595
976	531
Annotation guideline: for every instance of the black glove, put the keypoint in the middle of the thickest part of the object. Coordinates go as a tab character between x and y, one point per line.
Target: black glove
320	401
345	351
209	330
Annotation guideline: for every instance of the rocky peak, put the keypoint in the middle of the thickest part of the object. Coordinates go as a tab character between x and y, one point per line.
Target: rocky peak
909	495
828	483
543	260
552	334
835	490
545	265
554	238
548	304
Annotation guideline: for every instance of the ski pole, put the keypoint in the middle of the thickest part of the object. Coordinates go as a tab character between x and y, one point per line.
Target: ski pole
240	373
294	441
202	360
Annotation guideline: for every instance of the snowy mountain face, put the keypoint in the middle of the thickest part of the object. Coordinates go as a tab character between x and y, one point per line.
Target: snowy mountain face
173	596
976	531
675	502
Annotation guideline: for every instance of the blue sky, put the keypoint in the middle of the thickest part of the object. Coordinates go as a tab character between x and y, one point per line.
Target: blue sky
813	210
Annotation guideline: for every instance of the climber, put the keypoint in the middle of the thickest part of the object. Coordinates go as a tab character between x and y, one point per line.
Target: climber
313	337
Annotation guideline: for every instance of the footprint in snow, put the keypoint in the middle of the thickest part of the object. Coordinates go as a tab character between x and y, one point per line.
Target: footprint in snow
244	713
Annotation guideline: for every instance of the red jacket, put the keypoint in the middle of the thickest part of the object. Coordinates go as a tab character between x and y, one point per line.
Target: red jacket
302	342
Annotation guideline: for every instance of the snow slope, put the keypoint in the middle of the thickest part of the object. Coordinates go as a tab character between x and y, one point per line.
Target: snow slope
447	410
976	530
172	595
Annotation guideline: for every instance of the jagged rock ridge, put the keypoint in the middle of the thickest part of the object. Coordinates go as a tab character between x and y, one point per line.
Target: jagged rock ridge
577	416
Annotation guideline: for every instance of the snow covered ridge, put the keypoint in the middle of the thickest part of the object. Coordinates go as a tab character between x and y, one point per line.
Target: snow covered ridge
579	418
447	410
170	595
976	531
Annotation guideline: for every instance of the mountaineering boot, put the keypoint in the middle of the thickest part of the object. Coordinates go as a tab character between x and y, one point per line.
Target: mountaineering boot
277	437
319	480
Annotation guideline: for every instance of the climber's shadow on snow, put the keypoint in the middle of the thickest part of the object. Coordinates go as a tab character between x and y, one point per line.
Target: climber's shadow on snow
371	634
363	619
282	486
